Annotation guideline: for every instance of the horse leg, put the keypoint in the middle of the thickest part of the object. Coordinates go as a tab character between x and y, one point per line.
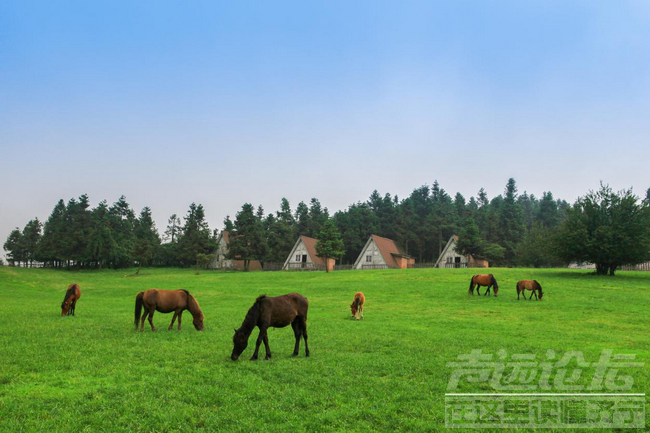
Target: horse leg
180	315
171	325
266	346
144	316
151	311
531	296
361	311
487	292
297	332
535	292
303	323
260	338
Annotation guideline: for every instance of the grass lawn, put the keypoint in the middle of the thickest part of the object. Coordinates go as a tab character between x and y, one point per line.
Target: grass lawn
94	372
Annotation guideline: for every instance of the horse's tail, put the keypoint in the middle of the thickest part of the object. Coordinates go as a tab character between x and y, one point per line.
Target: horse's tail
139	301
471	284
494	282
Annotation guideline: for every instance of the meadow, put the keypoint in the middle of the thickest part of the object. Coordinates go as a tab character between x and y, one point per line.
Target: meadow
387	372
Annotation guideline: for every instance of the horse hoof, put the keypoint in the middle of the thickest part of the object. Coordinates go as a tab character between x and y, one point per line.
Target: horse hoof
267	358
254	358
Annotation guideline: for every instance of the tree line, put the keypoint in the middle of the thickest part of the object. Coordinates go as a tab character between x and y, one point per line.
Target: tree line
604	227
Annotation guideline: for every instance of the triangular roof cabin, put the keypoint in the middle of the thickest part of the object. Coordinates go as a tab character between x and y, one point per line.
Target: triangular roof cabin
450	258
381	253
303	255
221	260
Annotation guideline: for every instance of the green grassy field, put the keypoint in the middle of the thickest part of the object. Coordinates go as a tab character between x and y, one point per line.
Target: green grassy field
94	372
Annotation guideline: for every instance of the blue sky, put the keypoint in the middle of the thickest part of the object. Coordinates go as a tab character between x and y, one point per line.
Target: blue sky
225	103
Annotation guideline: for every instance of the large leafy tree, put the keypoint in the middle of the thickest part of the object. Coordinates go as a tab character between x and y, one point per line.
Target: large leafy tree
329	243
608	229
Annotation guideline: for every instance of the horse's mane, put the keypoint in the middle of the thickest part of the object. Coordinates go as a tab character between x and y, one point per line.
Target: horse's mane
252	315
494	281
70	291
193	299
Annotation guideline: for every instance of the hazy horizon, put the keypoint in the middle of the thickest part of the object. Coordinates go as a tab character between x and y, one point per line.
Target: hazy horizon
223	104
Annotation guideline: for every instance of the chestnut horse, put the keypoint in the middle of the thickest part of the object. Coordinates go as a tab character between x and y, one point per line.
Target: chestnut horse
69	303
357	305
276	312
167	301
531	285
483	280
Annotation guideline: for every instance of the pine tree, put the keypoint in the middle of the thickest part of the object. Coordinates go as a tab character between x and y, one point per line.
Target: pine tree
102	245
302	220
317	217
195	238
329	243
146	239
30	239
173	229
511	223
122	223
52	245
247	239
14	247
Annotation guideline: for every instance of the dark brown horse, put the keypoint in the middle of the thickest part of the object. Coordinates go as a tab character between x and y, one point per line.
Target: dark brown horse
70	299
167	301
531	285
483	280
357	305
276	312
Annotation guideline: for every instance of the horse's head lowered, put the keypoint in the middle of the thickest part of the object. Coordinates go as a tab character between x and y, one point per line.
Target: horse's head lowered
198	322
65	307
353	308
496	286
197	314
240	341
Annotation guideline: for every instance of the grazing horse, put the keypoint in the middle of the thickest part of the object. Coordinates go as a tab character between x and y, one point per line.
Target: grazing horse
69	303
357	305
276	312
483	280
167	301
531	285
